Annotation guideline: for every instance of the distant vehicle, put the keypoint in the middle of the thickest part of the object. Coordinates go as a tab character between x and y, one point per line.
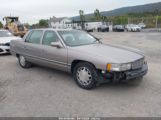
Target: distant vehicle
103	28
77	28
14	26
5	39
118	28
142	25
83	55
133	28
88	28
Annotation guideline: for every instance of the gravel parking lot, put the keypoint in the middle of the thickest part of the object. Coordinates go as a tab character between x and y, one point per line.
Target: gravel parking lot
46	92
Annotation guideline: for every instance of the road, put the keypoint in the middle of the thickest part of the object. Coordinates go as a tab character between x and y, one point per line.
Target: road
40	91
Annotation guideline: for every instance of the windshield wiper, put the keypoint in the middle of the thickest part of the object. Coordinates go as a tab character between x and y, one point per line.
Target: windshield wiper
97	40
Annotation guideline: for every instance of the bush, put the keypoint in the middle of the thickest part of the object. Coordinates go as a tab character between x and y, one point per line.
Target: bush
43	23
1	25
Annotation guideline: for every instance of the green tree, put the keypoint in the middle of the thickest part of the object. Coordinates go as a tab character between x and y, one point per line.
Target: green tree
1	25
98	15
82	18
120	20
43	23
104	18
156	11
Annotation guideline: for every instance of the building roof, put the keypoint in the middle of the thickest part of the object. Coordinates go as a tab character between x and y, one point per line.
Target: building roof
54	19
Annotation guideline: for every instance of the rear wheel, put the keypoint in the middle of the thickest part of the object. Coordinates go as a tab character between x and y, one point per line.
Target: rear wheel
23	63
85	75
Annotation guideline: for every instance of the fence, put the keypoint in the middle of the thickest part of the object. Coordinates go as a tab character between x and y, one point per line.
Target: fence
151	22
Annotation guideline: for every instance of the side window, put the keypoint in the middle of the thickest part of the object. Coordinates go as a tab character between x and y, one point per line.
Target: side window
49	37
28	36
35	37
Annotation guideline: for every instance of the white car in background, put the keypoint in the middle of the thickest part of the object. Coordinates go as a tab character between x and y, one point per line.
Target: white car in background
5	39
133	28
142	25
88	28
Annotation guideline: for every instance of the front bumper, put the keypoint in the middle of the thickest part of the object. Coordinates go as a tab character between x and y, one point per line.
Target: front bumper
104	29
123	76
136	30
137	73
4	49
120	30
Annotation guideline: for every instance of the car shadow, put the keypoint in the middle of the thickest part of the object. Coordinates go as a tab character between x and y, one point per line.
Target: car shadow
121	87
7	54
103	86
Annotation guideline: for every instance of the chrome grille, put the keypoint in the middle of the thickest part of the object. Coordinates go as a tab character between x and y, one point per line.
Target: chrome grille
138	64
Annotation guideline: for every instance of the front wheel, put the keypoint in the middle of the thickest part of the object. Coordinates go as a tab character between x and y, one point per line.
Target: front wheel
85	75
23	63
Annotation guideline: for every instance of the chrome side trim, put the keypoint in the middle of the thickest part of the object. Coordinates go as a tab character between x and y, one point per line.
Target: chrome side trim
53	61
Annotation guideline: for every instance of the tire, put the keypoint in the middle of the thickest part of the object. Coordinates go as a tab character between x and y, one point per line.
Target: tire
98	30
85	70
23	63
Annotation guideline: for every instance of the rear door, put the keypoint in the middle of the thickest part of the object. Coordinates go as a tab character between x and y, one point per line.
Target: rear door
32	46
53	56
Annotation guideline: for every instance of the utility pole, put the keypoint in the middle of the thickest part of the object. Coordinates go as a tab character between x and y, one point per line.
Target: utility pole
128	20
156	22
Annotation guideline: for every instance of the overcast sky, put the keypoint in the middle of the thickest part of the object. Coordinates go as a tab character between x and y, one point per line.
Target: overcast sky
32	10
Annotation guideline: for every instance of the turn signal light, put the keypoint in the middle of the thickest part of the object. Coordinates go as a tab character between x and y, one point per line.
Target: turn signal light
108	67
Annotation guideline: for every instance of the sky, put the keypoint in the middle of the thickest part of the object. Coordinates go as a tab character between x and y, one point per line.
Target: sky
30	11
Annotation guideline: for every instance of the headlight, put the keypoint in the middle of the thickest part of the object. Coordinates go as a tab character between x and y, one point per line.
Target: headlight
145	60
119	67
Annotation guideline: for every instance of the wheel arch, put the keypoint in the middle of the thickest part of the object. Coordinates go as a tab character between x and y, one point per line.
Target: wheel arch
75	62
17	55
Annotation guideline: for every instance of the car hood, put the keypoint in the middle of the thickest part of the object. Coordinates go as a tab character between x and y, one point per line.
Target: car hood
4	40
111	53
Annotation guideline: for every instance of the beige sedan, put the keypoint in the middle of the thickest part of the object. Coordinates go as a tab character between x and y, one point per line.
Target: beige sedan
83	55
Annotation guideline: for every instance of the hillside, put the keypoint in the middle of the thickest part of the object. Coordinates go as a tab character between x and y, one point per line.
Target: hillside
125	10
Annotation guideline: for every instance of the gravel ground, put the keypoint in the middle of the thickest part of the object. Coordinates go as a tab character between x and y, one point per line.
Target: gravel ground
40	91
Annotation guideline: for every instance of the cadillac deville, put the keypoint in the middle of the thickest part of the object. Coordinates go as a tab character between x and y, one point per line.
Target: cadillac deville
83	55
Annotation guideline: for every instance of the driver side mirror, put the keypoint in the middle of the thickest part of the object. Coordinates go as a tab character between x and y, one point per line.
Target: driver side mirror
56	44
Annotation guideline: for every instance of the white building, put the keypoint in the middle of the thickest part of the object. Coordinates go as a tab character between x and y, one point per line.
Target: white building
62	23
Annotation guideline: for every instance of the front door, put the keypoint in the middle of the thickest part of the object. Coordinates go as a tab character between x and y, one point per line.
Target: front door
53	56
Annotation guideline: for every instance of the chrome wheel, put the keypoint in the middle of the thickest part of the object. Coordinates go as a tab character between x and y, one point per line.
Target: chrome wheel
84	76
22	61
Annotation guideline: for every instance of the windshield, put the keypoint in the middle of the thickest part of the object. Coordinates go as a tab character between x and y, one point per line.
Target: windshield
5	34
77	38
